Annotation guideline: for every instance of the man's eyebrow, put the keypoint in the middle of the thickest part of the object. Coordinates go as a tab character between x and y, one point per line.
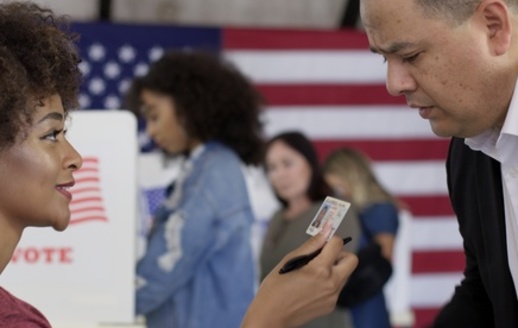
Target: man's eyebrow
393	48
52	116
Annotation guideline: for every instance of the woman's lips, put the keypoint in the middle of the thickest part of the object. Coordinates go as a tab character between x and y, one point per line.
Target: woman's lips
64	190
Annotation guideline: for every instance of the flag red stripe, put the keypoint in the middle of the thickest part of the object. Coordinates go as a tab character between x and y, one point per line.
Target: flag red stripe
388	150
276	39
424	317
88	218
426	206
438	261
90	160
328	94
88	169
86	209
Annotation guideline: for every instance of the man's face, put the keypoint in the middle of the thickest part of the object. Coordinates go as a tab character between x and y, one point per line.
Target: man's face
450	73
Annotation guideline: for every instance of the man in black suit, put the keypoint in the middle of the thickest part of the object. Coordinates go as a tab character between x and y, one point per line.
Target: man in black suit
456	61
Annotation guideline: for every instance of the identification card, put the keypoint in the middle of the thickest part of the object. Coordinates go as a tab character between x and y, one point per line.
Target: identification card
332	212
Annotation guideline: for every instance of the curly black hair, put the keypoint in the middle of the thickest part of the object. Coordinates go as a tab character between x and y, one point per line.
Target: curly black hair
38	59
213	98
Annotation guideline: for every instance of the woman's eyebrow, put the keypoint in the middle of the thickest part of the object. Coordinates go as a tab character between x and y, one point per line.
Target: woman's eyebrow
52	116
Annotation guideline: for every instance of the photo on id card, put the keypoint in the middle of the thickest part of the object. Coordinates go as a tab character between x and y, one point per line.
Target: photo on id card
332	210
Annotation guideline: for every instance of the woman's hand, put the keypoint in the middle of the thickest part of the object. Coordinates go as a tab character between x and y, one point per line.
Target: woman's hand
292	299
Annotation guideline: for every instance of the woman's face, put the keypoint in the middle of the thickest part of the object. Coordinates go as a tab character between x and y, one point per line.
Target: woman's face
163	124
288	171
338	184
37	171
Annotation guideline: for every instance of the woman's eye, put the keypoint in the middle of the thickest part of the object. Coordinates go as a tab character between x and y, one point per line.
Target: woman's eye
288	163
152	117
270	168
53	136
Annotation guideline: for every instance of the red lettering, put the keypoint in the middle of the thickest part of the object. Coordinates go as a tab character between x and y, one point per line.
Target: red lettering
46	255
65	255
31	255
47	252
16	255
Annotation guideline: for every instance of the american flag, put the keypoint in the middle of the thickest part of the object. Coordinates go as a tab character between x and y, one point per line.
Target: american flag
331	87
87	200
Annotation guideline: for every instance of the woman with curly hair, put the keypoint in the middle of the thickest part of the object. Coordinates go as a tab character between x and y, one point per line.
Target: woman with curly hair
198	269
39	82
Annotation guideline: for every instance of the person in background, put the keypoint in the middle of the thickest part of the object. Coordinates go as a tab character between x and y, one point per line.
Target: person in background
39	83
457	63
198	269
350	174
293	170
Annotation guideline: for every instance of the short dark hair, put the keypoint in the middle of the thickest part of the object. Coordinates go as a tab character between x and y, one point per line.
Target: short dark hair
212	97
457	11
318	189
38	59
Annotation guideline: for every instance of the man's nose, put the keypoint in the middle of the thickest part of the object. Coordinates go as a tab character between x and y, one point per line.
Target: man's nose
399	80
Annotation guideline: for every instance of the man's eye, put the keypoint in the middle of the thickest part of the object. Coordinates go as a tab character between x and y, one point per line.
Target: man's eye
410	59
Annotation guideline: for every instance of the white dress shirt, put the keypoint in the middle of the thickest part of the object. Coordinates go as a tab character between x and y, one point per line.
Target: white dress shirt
502	145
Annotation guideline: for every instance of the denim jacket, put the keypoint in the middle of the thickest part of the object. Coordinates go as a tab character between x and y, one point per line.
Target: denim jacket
198	269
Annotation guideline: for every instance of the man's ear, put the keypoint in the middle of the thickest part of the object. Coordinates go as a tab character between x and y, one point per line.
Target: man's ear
496	19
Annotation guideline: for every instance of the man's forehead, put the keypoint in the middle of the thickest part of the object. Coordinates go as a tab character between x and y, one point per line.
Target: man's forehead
373	12
391	27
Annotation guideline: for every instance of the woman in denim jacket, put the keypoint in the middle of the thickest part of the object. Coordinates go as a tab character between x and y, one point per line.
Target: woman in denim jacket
198	269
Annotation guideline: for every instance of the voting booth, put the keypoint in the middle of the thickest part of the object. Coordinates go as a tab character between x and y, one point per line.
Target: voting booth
85	275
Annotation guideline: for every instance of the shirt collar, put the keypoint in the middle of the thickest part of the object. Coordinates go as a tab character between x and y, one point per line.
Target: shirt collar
491	139
510	126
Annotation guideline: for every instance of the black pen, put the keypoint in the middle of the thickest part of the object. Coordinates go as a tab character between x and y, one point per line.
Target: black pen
299	261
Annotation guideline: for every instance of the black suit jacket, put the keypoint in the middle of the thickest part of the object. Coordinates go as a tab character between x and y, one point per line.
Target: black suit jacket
486	296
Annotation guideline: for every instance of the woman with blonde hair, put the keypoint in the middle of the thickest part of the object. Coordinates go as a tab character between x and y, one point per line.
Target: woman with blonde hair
351	176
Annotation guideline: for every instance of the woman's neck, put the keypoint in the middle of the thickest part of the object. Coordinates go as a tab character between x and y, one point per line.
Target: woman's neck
10	238
296	207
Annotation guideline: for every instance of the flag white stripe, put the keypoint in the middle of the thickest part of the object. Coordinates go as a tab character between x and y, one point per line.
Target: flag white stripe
306	66
85	194
432	290
85	205
435	234
85	175
400	177
348	122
